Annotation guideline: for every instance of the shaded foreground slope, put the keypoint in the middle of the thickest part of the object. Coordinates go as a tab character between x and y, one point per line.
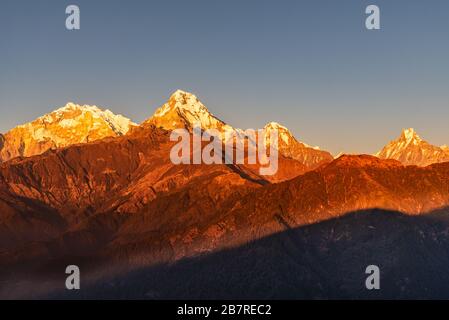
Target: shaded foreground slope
325	260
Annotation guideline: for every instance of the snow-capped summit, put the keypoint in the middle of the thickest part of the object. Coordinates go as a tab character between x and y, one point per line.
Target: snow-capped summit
72	112
184	110
410	149
284	135
274	126
184	101
70	124
410	136
289	147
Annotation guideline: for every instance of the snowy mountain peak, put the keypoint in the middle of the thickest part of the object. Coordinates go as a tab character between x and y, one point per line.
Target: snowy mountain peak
274	126
70	106
182	95
184	110
290	147
410	149
186	100
410	135
284	135
70	124
183	102
73	115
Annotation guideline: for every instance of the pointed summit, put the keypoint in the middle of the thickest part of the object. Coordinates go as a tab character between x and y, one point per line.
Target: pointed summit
410	149
185	100
182	96
274	126
184	110
180	93
284	135
410	135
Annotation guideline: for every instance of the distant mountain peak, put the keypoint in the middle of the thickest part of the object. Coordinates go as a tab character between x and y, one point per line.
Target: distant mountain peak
70	124
182	95
184	110
71	106
185	100
284	135
74	115
290	147
410	135
274	126
411	149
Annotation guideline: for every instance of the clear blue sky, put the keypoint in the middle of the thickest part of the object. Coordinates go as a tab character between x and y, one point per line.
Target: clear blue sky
310	65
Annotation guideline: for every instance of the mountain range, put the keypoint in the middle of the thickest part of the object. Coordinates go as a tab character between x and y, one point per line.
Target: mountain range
83	186
74	124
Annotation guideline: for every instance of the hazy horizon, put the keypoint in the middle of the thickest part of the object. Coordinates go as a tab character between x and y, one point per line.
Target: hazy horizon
308	65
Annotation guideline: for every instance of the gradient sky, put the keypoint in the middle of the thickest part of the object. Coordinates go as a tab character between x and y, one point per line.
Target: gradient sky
309	65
